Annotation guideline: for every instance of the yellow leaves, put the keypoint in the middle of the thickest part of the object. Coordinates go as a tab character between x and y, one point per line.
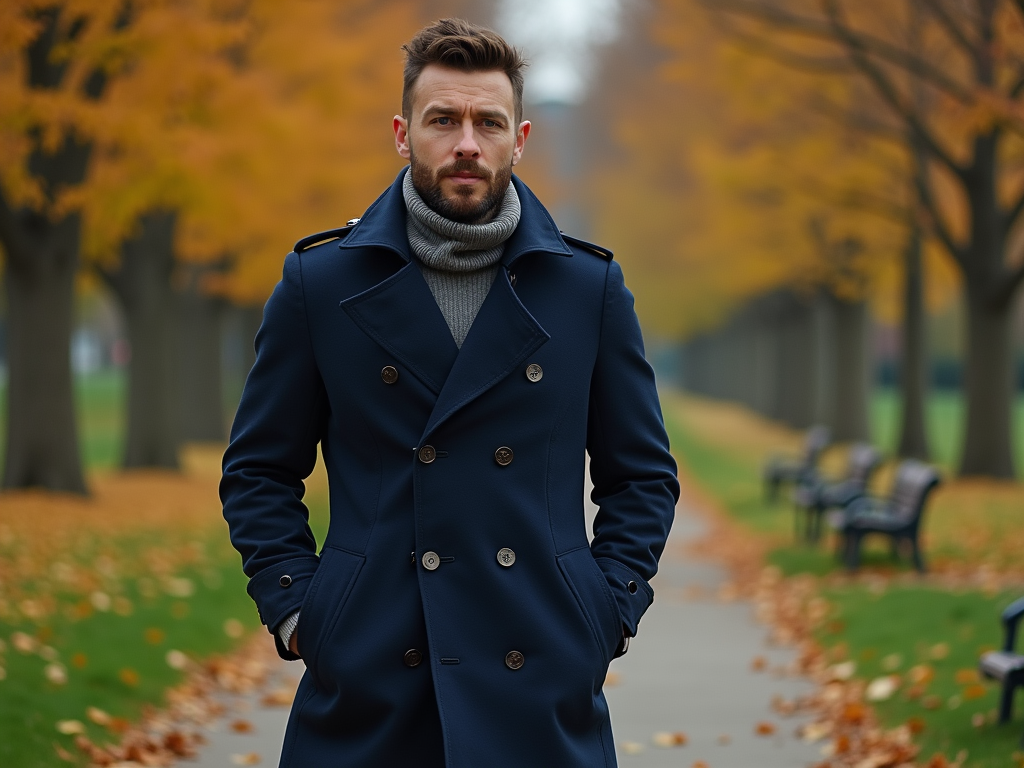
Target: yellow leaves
668	740
154	635
765	729
249	758
128	676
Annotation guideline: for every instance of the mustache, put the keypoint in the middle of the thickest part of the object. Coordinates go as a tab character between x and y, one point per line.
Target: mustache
464	165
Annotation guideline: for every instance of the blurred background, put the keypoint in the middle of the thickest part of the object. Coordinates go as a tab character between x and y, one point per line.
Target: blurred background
817	204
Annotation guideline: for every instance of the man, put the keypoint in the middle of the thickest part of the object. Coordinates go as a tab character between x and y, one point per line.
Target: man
456	357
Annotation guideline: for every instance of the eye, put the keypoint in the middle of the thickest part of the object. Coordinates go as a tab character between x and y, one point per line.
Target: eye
490	124
444	121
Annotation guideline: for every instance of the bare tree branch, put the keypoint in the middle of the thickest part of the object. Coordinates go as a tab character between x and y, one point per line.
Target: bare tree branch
860	121
1013	212
939	10
765	48
888	90
870	44
11	234
937	224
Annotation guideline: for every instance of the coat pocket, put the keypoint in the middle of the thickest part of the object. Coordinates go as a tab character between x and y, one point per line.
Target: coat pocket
324	602
594	597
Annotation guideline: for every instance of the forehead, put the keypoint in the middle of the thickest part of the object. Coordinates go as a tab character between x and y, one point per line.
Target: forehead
445	86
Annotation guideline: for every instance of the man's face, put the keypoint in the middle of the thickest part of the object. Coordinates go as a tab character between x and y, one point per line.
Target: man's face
461	141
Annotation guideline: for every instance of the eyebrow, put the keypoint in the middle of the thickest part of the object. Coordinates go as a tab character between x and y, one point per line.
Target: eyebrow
447	110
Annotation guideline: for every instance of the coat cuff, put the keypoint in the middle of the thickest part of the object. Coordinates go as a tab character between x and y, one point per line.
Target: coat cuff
633	595
279	589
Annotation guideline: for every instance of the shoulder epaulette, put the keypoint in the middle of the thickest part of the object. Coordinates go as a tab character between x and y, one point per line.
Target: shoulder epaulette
323	237
597	250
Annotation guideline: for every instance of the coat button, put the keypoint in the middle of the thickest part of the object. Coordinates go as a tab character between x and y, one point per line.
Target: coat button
431	561
534	372
632	587
412	658
285	581
389	374
503	456
427	454
506	556
514	660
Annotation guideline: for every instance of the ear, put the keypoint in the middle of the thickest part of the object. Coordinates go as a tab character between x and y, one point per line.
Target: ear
521	135
401	128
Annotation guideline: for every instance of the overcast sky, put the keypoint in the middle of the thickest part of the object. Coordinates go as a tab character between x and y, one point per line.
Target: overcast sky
559	38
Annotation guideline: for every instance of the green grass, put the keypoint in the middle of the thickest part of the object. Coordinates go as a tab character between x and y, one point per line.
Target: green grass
117	663
917	625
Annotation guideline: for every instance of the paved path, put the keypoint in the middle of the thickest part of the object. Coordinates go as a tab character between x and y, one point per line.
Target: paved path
689	671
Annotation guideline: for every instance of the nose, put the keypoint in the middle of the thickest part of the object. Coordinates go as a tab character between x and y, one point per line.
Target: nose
467	146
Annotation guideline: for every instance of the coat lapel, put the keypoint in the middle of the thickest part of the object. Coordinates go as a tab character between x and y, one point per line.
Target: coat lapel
401	315
503	335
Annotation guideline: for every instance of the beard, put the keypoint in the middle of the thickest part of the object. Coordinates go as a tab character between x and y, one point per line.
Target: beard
461	206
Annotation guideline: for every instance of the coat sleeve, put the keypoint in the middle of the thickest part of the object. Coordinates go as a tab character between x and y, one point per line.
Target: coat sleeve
278	424
634	475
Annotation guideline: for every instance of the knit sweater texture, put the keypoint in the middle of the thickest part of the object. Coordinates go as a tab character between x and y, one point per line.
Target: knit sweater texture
458	261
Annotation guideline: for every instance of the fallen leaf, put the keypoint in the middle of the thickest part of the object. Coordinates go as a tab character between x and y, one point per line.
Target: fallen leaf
154	635
816	731
759	664
234	628
975	691
56	673
97	715
854	713
242	726
79	660
882	688
764	729
966	676
176	659
250	758
70	727
63	754
891	662
842	671
931	702
632	747
611	679
921	674
667	740
939	651
841	745
916	725
699	764
283	697
129	677
24	643
978	720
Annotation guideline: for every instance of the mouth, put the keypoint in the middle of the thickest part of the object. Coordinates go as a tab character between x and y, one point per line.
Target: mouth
465	177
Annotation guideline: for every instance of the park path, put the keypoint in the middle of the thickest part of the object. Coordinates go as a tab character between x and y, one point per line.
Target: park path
689	671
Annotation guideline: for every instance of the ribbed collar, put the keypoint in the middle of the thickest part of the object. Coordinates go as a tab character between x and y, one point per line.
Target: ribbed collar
452	246
383	226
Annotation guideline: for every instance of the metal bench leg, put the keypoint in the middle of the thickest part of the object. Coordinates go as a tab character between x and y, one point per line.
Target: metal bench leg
853	551
1006	702
918	557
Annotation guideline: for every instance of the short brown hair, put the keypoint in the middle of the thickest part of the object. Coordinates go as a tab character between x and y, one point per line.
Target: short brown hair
458	44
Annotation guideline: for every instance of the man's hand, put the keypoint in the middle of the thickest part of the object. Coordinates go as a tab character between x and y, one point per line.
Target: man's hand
293	643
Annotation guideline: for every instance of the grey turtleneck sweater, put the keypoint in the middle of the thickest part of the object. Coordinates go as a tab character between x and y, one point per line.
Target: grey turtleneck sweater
458	261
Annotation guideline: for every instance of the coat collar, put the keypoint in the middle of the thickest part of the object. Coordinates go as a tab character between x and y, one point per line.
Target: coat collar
383	226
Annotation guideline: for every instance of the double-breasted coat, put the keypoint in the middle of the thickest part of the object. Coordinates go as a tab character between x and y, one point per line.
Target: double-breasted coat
456	615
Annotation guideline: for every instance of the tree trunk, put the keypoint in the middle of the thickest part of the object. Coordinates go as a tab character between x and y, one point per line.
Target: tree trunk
988	449
850	410
142	284
914	366
201	394
42	434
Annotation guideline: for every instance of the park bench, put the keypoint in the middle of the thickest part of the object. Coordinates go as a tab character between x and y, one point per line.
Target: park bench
787	469
814	497
1006	666
898	516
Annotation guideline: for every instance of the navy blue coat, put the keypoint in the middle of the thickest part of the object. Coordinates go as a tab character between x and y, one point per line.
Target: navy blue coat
513	656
